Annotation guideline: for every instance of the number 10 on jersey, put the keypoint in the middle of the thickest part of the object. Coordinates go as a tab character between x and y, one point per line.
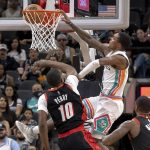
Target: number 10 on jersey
66	111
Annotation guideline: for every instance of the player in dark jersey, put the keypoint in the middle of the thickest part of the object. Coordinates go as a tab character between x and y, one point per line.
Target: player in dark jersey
64	104
138	128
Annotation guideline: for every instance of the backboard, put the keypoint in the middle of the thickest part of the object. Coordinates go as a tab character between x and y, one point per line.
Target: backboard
88	14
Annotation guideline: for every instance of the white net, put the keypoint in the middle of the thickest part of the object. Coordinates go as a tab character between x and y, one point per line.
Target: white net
43	25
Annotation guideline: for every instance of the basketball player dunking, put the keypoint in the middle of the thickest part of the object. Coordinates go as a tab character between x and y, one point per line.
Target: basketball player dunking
108	106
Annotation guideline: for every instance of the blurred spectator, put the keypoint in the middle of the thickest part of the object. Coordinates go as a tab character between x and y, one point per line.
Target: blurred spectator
16	52
13	9
25	40
2	120
15	103
141	39
32	103
141	65
5	79
52	55
8	62
7	143
29	73
1	38
68	52
74	44
28	118
141	60
3	6
7	114
25	37
21	140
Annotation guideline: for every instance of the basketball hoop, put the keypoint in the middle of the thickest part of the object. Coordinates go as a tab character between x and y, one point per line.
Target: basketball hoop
43	24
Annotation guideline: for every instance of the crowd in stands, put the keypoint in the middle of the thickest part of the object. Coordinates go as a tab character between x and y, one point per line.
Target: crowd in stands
16	67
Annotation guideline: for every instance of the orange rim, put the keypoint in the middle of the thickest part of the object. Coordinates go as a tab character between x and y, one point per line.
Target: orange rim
44	11
49	13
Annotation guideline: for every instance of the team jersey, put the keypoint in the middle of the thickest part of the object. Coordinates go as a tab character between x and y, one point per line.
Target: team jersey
114	80
141	142
64	105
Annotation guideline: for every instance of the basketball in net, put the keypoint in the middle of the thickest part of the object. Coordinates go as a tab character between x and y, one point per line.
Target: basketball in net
32	17
43	24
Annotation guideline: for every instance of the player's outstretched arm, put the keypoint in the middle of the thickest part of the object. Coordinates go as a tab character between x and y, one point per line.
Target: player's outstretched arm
116	135
84	35
89	68
65	68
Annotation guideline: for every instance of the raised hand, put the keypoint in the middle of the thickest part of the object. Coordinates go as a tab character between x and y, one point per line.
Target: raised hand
38	65
66	19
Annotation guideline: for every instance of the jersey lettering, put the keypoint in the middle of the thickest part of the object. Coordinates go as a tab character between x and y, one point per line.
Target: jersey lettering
61	98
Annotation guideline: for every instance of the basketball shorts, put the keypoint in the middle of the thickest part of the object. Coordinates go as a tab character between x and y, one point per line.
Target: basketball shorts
77	139
101	113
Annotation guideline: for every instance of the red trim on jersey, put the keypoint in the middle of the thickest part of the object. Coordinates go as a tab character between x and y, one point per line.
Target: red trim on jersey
55	88
79	128
68	86
84	114
91	141
136	121
111	96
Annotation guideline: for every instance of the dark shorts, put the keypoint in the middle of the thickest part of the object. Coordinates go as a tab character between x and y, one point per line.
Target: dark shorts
80	140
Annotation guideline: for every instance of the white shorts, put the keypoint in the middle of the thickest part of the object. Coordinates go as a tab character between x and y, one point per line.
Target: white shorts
102	112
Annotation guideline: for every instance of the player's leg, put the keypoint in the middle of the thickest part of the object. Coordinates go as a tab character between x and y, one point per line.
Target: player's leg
79	140
107	111
102	112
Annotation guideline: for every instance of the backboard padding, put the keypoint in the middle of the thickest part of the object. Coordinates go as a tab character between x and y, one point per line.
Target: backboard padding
90	23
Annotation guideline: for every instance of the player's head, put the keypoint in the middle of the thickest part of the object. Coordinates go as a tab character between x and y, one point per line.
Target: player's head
142	104
54	77
120	41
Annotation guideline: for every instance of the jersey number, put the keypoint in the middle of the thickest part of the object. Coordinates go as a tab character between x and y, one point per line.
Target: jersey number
66	111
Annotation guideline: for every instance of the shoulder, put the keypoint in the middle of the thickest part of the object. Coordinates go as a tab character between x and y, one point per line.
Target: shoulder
71	79
128	124
43	97
14	144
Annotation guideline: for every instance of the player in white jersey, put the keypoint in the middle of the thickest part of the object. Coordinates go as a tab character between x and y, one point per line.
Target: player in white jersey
108	106
105	108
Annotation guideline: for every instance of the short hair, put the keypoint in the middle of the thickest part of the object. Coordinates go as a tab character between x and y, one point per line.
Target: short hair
124	40
28	109
143	104
54	77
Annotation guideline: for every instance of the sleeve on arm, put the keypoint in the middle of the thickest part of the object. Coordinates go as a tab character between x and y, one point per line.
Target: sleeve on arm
73	81
42	103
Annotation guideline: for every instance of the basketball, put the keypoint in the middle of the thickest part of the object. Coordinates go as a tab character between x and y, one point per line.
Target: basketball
30	16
